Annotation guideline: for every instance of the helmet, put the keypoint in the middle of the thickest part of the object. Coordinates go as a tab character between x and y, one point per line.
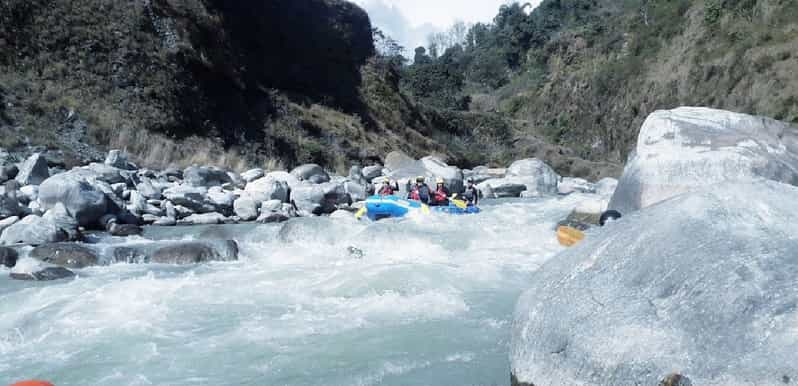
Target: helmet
420	179
440	181
470	180
386	180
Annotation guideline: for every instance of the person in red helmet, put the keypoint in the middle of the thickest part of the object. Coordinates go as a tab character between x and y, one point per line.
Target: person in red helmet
440	197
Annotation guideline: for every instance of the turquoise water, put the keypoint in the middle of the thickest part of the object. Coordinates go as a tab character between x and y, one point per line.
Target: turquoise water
429	303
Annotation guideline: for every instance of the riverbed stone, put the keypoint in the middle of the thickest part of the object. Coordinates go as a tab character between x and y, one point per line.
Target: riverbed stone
69	255
33	171
312	173
8	257
83	201
45	274
196	252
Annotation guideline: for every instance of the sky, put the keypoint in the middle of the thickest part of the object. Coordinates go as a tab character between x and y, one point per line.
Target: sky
410	21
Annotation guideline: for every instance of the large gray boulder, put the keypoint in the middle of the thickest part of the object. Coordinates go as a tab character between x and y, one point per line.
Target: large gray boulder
270	187
535	176
194	198
69	255
312	173
33	230
606	186
5	223
107	173
402	168
202	176
688	148
221	199
8	169
702	284
83	201
372	172
570	185
33	171
246	208
252	174
319	198
149	190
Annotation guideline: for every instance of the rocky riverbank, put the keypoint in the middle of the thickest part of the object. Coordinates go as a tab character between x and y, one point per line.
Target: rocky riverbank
51	210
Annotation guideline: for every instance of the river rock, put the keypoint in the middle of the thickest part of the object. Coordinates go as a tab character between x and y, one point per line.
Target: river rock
118	159
397	160
10	206
204	219
202	176
319	198
500	188
196	252
535	174
246	208
5	223
69	255
60	217
372	172
165	221
124	230
33	171
8	171
29	193
192	197
149	190
268	188
606	186
8	257
83	201
703	283
221	199
690	147
45	274
272	218
253	174
570	185
106	173
312	173
33	230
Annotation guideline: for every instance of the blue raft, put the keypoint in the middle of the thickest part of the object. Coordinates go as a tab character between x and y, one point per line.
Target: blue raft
380	207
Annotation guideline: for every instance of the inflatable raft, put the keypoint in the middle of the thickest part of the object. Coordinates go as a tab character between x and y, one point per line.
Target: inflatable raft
380	207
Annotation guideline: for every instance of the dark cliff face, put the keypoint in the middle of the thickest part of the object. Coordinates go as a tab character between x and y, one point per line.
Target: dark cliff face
178	67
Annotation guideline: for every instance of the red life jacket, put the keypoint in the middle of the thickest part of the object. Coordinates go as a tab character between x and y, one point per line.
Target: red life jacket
440	195
414	195
386	191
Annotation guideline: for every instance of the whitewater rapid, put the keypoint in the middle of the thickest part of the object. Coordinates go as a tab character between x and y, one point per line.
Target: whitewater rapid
429	302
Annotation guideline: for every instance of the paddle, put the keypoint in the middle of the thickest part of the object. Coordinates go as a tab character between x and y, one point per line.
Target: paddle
360	213
458	203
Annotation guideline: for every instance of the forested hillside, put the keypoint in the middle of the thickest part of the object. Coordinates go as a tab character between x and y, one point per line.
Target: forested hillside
585	73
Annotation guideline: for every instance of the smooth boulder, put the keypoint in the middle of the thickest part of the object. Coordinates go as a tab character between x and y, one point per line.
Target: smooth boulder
33	230
246	208
83	201
269	187
702	284
689	148
312	173
201	176
319	199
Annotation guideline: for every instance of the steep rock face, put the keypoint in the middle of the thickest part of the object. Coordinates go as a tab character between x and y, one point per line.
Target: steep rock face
180	67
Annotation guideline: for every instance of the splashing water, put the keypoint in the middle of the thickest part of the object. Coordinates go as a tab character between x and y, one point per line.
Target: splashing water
420	302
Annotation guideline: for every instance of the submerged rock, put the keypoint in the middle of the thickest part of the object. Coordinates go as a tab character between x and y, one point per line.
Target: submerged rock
196	252
704	283
688	148
70	255
46	274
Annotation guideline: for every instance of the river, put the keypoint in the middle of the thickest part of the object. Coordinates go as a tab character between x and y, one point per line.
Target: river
316	301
